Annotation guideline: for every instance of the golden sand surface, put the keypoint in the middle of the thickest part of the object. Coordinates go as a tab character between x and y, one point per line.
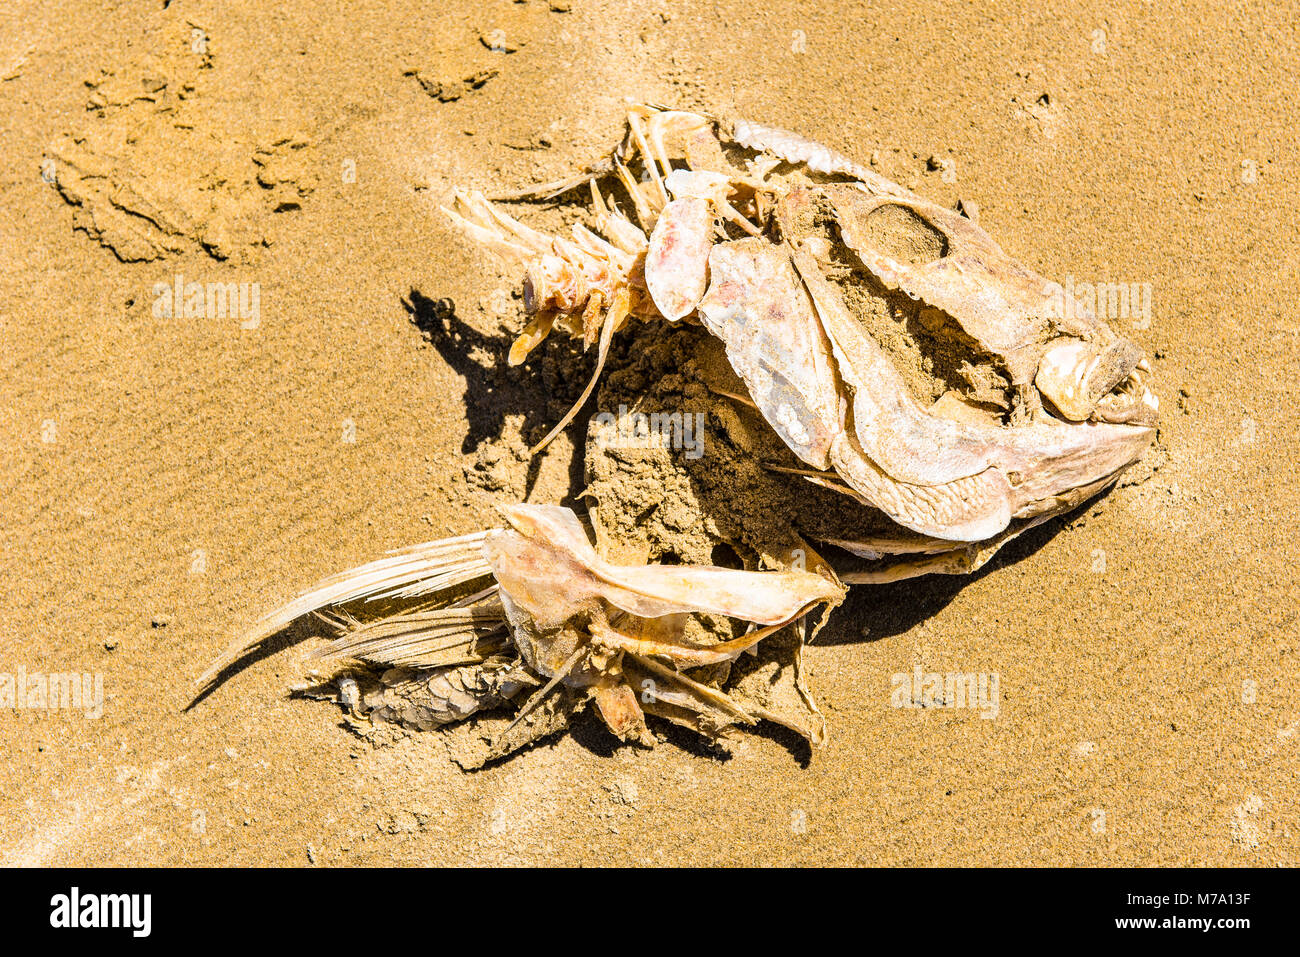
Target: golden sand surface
166	480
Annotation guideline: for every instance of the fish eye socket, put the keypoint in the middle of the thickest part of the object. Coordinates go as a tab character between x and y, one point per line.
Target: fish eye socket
903	234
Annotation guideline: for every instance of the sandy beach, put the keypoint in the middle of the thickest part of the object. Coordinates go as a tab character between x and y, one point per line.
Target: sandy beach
168	477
